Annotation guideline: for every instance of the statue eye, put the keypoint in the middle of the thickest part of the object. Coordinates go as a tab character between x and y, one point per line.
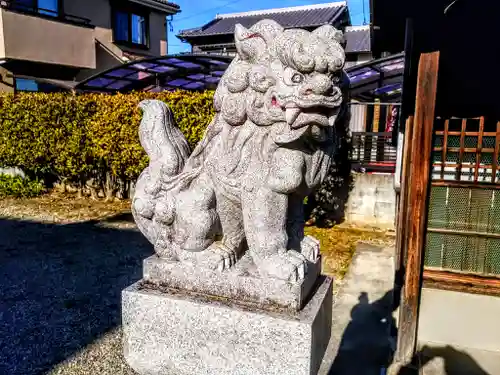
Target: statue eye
297	78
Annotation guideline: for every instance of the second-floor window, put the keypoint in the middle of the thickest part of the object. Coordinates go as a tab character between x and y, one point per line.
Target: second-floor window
130	28
46	7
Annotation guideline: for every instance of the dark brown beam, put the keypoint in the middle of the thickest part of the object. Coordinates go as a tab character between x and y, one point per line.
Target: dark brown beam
465	184
495	155
465	149
417	205
475	134
464	233
462	282
402	209
462	149
445	147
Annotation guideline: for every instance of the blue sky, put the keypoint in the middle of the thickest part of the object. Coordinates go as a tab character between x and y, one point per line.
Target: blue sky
198	12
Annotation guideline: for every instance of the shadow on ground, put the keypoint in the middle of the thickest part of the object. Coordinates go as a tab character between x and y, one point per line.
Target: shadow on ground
61	289
451	361
365	347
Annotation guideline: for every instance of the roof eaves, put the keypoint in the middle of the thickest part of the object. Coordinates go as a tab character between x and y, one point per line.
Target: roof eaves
161	5
195	31
357	28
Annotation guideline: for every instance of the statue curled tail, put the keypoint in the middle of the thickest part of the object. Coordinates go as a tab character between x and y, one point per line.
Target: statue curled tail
168	151
161	197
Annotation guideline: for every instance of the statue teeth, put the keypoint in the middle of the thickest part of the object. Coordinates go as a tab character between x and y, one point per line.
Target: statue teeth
291	115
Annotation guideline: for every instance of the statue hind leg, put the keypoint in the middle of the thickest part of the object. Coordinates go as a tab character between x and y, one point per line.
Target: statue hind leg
197	228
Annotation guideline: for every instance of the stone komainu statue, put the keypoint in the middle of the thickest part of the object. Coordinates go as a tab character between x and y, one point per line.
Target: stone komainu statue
238	197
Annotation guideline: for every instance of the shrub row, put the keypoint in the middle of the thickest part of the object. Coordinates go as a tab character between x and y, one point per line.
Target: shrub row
88	141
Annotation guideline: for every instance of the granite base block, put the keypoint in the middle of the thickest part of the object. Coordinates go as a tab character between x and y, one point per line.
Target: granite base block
168	332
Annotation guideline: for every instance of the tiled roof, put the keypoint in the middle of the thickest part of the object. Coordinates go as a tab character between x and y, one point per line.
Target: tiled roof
358	39
301	16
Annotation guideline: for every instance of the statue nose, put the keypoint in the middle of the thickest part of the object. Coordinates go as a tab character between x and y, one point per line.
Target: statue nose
319	85
307	90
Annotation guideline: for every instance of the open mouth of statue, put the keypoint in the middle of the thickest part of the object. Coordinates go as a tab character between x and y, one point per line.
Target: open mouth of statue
297	117
300	113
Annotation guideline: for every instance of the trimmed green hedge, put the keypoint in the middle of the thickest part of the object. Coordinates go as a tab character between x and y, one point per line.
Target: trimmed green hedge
19	187
89	141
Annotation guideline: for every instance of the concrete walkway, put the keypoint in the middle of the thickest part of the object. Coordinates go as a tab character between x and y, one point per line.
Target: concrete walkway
362	315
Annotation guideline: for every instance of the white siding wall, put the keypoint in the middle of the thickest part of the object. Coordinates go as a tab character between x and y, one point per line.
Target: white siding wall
358	115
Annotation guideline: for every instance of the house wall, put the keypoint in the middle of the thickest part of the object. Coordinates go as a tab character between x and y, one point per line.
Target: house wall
108	53
31	38
357	122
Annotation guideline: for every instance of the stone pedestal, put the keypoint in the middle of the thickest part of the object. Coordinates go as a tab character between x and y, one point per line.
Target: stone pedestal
178	332
241	283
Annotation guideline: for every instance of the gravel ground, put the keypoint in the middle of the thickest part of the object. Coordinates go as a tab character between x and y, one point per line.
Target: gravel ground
61	288
63	265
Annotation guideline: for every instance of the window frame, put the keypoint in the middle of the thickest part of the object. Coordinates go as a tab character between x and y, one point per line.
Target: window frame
17	80
130	10
34	7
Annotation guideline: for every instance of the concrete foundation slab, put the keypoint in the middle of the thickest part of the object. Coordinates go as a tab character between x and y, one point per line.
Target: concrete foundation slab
169	332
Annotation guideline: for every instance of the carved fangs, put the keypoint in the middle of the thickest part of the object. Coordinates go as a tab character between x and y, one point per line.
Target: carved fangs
291	114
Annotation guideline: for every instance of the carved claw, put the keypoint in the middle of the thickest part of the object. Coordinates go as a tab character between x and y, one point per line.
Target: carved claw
288	265
309	248
164	248
216	257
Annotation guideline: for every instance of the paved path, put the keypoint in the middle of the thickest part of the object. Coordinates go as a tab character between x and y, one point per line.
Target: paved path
362	315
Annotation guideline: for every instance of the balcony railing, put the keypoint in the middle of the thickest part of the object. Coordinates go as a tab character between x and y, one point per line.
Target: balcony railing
22	7
373	152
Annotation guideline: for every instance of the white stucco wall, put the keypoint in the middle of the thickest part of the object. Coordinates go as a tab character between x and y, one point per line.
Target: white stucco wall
372	201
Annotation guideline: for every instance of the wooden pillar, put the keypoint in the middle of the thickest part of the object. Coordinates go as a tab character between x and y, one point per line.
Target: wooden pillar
416	193
402	211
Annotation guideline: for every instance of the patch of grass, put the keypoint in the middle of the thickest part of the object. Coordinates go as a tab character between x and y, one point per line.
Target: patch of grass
338	245
60	208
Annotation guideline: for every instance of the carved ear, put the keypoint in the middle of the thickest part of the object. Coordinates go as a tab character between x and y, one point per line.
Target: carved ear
248	43
240	39
328	32
240	33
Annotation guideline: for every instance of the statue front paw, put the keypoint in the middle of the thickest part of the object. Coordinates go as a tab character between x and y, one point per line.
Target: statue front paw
287	265
216	257
309	247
